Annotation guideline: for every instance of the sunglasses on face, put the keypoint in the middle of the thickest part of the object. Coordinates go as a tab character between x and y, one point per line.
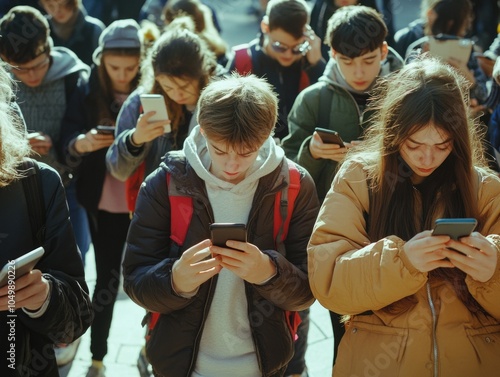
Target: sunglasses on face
300	49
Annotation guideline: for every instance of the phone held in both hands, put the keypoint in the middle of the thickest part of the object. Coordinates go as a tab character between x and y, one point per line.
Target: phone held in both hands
330	136
20	266
155	102
222	232
455	228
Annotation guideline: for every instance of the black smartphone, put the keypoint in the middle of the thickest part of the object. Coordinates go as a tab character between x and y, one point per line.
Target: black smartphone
329	136
455	228
20	266
222	232
105	130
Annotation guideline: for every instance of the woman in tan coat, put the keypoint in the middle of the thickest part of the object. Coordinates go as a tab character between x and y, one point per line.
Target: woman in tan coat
413	306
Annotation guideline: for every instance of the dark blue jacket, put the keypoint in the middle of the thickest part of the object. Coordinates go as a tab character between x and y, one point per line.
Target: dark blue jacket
69	312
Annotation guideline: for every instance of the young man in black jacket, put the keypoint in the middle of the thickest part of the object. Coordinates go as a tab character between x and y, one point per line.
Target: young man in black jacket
222	309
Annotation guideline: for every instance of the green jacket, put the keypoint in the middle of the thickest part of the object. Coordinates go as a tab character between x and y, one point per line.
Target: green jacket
345	117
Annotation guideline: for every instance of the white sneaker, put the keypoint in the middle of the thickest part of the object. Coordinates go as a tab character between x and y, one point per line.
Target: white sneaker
65	353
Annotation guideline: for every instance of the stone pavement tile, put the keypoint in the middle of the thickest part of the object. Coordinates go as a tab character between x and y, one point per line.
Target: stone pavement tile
319	354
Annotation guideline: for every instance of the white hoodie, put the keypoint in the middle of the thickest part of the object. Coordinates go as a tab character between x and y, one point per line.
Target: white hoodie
226	347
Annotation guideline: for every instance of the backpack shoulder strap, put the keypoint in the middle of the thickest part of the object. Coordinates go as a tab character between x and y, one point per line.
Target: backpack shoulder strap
33	191
181	212
325	106
304	80
243	59
284	203
133	184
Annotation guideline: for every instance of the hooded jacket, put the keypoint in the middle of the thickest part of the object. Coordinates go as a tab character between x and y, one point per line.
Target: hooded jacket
439	335
85	36
344	114
174	346
43	107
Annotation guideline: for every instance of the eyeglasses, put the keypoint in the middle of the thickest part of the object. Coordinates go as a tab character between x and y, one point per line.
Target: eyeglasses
299	49
36	68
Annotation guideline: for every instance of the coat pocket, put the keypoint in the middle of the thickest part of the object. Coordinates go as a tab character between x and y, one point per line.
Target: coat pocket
486	343
370	350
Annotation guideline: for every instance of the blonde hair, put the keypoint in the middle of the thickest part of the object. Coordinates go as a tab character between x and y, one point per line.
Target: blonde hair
14	145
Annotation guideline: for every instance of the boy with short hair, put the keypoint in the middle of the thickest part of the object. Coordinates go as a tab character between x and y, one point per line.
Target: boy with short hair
222	309
287	54
360	55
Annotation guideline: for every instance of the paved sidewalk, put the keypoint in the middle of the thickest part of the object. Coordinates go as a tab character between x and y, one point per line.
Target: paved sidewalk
127	337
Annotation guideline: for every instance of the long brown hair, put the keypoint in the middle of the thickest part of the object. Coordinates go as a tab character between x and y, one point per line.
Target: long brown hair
424	92
178	53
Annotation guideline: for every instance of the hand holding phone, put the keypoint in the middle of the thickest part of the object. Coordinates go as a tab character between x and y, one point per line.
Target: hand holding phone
20	266
105	130
330	136
156	103
454	228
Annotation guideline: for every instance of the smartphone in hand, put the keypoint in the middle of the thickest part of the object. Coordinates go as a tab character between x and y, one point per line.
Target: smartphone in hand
20	266
222	232
455	228
330	136
155	102
105	130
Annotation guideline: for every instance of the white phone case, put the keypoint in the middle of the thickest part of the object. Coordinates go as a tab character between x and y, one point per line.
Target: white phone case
155	102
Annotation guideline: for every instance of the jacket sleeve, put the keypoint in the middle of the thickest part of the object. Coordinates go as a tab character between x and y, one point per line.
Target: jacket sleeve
76	121
120	162
302	120
487	294
347	273
289	289
69	312
479	90
147	270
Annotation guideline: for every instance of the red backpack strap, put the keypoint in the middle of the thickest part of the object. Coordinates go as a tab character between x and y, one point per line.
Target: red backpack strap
243	59
304	81
283	209
133	184
283	206
181	212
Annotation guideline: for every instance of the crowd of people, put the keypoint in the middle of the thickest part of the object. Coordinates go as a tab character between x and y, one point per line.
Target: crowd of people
348	223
